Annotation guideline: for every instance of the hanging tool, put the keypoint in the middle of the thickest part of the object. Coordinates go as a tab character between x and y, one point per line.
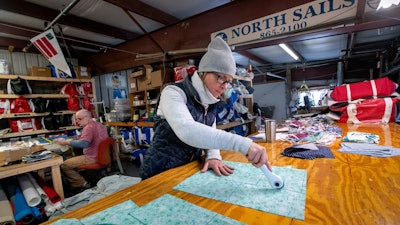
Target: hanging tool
274	180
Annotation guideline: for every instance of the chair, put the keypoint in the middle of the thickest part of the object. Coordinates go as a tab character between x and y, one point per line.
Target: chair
105	157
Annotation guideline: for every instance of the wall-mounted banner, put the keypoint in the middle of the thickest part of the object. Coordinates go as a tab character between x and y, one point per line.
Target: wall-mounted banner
292	20
47	44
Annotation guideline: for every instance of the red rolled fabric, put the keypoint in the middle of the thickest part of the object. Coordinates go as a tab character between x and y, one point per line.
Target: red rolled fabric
53	196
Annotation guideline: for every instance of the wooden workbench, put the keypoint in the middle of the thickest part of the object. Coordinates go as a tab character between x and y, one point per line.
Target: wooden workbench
53	163
350	189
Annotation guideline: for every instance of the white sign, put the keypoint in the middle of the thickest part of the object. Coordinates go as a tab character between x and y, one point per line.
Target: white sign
292	20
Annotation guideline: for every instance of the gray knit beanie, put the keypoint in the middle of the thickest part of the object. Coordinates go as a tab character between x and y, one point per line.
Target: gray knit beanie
218	58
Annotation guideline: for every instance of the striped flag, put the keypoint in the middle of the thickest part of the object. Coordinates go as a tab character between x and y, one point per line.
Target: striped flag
47	44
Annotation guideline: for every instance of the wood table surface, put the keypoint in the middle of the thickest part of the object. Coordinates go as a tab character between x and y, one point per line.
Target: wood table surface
350	189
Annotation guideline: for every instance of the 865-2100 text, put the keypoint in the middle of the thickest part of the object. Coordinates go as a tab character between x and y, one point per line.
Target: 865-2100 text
283	29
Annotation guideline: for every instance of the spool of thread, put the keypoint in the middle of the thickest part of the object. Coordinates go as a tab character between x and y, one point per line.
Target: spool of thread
270	131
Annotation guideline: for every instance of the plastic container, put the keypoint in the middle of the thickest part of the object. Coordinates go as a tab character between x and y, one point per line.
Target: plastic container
4	67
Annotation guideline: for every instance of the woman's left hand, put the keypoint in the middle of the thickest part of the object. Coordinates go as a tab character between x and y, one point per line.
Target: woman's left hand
218	166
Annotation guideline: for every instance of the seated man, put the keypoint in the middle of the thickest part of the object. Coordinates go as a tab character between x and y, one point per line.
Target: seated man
92	134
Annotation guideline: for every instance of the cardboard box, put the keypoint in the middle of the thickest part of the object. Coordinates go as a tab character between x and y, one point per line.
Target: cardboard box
39	71
147	70
13	154
141	83
133	85
137	74
82	72
154	79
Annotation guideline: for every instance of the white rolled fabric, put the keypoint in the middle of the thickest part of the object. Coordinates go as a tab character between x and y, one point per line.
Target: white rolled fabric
6	212
39	189
31	196
49	208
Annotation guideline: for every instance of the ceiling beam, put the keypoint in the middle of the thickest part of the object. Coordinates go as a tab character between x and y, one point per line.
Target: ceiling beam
145	10
47	14
17	43
252	57
191	33
29	33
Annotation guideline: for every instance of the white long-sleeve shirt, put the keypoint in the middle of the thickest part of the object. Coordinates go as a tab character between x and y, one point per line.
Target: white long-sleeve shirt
173	108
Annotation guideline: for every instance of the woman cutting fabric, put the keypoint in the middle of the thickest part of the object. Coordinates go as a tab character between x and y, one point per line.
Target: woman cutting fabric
185	122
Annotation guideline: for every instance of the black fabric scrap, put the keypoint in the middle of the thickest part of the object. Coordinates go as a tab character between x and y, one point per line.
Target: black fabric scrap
303	153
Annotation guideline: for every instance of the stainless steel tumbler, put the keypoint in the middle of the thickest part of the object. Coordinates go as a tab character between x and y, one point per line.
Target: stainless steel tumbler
270	131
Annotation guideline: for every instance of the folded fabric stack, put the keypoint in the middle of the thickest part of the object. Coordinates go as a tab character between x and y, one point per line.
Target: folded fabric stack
369	149
308	151
37	156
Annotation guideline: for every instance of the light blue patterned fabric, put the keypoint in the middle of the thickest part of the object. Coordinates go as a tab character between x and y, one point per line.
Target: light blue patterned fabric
361	137
118	214
369	149
170	210
249	187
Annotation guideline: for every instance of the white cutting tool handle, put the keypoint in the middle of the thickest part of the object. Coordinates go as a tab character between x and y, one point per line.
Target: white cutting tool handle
275	180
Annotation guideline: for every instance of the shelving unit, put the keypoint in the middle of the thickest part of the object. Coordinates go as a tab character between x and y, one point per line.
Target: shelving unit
49	86
147	98
247	101
144	100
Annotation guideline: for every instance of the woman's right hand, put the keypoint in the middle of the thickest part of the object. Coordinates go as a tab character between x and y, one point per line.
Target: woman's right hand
257	155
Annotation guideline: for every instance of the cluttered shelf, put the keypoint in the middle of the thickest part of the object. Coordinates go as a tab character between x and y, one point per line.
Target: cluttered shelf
45	79
36	132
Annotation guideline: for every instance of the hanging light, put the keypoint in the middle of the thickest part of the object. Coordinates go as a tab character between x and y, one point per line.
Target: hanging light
387	3
289	51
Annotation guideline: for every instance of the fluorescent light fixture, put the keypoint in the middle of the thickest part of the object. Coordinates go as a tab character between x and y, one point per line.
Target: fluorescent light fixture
387	3
289	51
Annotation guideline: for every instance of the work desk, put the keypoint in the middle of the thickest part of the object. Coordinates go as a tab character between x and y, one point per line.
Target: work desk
350	189
53	163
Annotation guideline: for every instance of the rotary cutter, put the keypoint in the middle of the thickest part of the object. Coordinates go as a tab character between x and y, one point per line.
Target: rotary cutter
275	180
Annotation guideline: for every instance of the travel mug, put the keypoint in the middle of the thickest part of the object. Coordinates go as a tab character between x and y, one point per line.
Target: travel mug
270	129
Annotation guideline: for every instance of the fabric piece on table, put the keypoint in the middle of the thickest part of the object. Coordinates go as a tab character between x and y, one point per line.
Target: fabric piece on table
6	212
37	156
106	186
327	139
249	187
169	210
361	137
118	214
369	149
314	137
306	153
334	130
309	146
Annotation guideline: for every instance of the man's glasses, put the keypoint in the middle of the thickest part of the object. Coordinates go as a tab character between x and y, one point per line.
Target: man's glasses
79	119
221	80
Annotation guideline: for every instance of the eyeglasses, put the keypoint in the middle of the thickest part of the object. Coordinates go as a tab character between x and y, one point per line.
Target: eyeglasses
79	119
222	80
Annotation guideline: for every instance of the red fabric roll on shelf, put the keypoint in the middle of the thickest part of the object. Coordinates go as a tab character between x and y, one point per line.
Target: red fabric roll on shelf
53	196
